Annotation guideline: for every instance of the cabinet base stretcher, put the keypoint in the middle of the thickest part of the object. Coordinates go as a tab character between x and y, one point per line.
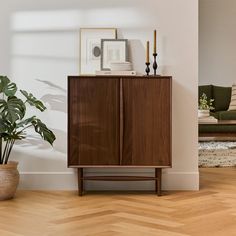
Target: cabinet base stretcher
156	178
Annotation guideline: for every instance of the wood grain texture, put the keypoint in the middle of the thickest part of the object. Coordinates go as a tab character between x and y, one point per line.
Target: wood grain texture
208	212
219	122
132	114
119	122
147	122
218	135
120	178
93	121
80	181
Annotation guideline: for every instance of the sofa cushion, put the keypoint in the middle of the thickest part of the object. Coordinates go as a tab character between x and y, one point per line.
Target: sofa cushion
215	114
222	97
232	106
207	89
226	115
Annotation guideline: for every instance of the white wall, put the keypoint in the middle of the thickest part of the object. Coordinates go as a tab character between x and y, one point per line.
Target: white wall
217	37
40	47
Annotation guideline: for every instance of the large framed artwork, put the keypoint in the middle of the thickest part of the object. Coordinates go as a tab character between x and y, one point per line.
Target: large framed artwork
113	50
90	48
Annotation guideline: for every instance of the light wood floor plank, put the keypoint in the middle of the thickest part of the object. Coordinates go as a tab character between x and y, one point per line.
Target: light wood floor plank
211	211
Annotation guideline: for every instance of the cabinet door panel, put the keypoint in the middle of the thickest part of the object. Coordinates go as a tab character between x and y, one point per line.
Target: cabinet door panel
147	122
94	121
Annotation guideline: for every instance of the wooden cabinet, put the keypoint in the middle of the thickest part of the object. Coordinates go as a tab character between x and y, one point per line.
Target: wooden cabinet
119	122
93	122
147	127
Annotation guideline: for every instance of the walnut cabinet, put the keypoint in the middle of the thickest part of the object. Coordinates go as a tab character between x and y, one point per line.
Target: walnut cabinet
119	122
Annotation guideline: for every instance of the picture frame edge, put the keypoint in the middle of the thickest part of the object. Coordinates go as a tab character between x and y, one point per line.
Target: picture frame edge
80	46
102	45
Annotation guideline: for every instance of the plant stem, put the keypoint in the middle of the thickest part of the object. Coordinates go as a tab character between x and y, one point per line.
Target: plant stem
1	150
9	150
5	151
26	127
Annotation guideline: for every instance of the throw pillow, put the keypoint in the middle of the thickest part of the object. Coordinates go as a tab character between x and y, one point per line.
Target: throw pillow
221	96
232	105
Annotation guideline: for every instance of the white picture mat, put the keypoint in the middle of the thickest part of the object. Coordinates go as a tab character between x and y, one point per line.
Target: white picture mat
113	51
88	39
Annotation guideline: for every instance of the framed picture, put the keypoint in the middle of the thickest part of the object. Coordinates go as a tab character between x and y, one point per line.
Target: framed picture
90	48
113	50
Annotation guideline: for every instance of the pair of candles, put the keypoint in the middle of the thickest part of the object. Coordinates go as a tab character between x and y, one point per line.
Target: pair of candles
154	47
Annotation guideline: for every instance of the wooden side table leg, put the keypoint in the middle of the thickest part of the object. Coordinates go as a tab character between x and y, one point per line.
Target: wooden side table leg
158	182
80	181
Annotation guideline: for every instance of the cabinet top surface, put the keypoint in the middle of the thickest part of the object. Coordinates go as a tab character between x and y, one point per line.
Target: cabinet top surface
117	77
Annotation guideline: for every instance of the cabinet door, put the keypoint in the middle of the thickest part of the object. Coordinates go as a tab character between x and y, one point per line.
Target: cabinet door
93	121
146	122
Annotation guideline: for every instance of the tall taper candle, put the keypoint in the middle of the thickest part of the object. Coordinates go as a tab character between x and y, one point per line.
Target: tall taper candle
155	41
147	55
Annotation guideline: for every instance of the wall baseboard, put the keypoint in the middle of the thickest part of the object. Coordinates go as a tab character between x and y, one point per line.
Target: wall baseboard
68	181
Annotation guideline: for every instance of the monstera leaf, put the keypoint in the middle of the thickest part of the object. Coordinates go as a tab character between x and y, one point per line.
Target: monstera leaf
13	126
25	122
7	87
13	136
33	101
43	130
13	109
6	128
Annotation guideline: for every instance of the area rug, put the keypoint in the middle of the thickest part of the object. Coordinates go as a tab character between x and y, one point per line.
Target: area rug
217	154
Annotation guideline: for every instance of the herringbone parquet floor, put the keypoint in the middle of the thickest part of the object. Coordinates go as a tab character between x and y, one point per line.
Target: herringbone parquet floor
209	212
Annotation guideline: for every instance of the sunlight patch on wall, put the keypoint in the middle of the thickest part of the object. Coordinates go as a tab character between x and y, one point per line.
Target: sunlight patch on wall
74	19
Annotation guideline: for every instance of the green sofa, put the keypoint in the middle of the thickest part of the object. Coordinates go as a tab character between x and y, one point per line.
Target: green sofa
222	97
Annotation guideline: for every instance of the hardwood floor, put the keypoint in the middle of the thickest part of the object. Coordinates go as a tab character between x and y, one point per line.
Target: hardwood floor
211	211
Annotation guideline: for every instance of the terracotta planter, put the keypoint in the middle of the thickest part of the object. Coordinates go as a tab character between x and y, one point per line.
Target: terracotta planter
9	180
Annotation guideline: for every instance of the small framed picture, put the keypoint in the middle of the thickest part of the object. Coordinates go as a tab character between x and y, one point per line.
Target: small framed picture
113	50
90	48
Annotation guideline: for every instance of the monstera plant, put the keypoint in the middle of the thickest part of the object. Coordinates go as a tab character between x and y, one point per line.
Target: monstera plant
13	124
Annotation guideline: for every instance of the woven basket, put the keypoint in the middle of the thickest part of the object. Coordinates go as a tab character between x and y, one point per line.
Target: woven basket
9	180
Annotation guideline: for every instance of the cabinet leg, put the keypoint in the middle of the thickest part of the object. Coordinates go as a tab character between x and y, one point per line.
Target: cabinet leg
158	181
80	181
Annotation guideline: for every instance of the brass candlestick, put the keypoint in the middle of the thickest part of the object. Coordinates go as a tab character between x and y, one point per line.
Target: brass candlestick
147	68
155	63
